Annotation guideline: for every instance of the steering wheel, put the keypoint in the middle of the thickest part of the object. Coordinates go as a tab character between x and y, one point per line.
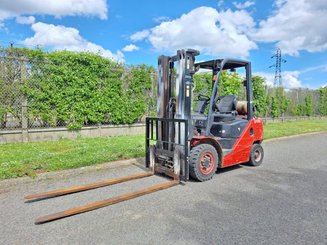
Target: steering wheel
203	97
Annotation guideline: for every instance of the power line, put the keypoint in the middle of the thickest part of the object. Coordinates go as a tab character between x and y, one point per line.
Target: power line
278	67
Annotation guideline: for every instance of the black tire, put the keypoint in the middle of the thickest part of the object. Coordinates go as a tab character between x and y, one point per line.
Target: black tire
256	155
203	162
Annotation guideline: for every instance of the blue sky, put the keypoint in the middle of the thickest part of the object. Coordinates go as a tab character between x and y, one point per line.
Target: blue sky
137	32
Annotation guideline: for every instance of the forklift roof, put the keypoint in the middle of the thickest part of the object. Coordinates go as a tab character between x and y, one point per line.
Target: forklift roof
228	64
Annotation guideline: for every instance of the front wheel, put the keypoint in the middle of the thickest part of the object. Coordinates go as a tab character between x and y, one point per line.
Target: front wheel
203	162
256	155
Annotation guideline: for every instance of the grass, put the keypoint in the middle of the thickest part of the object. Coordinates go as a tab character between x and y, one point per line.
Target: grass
21	159
274	130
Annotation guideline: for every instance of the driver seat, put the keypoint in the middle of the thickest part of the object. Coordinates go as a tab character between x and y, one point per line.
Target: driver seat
226	106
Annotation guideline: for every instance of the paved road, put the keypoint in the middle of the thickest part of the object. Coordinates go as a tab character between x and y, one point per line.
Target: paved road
282	202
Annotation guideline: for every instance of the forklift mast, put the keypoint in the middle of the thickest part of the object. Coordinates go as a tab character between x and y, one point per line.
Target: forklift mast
172	129
175	83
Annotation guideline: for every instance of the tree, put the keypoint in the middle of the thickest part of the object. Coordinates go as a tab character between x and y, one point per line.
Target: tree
203	84
230	83
268	105
259	95
323	101
308	105
281	100
275	110
300	110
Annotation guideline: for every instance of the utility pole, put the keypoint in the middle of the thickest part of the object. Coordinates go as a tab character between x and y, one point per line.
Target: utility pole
278	67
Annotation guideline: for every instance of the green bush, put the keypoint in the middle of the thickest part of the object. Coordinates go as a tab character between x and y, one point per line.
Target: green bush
259	95
76	89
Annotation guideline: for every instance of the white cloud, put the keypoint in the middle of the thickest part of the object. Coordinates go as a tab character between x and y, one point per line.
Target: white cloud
130	48
25	20
296	25
290	79
140	35
60	37
206	29
220	3
243	5
269	77
161	19
315	68
57	8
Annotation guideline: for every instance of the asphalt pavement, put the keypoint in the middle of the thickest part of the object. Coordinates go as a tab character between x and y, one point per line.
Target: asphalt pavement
284	201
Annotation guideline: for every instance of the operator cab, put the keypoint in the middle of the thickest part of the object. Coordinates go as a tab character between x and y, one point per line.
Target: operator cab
224	117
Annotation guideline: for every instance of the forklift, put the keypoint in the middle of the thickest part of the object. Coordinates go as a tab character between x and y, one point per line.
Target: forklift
180	142
221	132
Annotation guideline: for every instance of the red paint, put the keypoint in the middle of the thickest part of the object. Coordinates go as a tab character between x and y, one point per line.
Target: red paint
196	140
204	157
242	146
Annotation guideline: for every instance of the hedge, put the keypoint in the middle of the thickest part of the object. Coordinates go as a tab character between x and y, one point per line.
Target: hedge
74	89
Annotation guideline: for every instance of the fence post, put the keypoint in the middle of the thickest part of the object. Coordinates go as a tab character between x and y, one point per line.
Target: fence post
99	129
23	76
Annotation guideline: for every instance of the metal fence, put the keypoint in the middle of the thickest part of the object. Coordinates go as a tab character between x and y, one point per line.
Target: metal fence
13	101
27	99
292	118
30	89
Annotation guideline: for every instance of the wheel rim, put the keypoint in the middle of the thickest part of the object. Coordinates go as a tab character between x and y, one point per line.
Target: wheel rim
257	155
207	163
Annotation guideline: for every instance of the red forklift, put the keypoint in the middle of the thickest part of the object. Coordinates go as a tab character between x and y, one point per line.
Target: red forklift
182	143
221	132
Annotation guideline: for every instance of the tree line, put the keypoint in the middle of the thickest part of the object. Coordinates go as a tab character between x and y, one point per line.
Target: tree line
269	101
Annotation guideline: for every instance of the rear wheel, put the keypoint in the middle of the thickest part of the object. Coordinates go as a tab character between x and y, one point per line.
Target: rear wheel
256	155
203	162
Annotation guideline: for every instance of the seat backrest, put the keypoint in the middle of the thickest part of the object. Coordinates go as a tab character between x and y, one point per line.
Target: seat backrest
201	106
227	103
